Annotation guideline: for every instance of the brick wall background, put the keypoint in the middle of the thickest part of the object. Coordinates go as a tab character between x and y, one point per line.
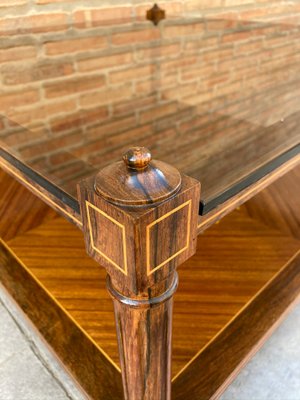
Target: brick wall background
84	77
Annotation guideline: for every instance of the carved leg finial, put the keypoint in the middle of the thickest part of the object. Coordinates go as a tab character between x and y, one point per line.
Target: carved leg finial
140	222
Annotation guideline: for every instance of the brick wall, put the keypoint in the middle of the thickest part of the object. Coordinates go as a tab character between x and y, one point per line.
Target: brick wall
82	78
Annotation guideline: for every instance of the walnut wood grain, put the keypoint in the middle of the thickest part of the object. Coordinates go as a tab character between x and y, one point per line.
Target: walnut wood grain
140	223
88	364
215	363
278	206
141	258
16	219
137	181
45	195
144	330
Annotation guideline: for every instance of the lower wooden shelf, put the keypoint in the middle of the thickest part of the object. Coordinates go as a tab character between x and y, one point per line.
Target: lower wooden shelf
243	278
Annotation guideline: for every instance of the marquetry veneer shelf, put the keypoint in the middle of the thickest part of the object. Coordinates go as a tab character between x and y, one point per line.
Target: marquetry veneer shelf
240	282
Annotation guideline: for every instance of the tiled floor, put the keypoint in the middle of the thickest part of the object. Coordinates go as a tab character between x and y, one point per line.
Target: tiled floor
28	370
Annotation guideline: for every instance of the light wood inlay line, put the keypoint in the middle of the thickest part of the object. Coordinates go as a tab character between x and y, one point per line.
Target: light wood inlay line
40	193
88	206
186	204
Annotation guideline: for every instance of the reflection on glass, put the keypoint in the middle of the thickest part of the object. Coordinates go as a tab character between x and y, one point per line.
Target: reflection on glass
214	92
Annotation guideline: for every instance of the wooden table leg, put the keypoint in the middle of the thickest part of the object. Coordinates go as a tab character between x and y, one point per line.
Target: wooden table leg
144	329
140	223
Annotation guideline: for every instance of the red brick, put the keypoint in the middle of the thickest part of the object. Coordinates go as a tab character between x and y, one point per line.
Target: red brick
250	47
183	30
81	19
200	71
111	128
17	53
192	45
218	54
250	14
17	99
158	112
179	92
22	136
199	98
169	79
236	37
39	23
172	9
196	5
220	25
52	145
217	79
41	112
229	88
131	74
127	106
75	45
181	62
109	61
160	51
79	119
73	86
102	16
111	16
19	75
107	96
146	87
136	36
12	3
129	136
61	158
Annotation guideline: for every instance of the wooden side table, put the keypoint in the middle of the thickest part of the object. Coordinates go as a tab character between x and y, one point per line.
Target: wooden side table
215	100
140	221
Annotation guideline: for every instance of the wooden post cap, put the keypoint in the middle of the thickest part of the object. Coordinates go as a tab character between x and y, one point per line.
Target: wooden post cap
137	180
137	157
155	14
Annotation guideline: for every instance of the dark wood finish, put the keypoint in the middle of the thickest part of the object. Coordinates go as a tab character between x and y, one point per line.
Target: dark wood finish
140	257
140	223
155	14
137	157
144	330
218	282
137	181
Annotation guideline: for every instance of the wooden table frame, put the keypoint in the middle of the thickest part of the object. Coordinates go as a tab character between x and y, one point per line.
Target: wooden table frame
143	283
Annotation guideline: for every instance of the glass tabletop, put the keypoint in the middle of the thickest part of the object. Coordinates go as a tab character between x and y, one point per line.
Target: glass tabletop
213	92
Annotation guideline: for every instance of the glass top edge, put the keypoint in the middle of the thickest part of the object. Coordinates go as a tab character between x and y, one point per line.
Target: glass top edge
252	178
205	206
43	182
